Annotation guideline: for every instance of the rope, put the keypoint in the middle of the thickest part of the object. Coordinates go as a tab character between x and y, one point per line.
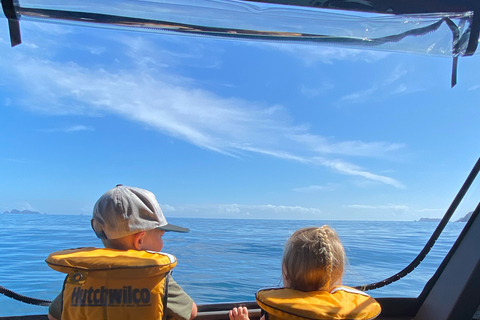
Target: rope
436	234
19	297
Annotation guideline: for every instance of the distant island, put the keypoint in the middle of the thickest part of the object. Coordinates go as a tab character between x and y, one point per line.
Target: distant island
15	211
429	220
464	219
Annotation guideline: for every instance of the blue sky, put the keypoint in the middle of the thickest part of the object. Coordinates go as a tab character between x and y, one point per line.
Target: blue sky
232	129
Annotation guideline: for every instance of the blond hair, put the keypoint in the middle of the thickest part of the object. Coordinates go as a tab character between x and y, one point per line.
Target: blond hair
313	259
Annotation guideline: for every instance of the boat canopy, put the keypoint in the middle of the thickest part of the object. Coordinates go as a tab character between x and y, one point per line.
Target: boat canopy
442	27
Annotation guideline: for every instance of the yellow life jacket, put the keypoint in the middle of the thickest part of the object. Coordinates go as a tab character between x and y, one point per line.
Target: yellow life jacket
339	303
112	284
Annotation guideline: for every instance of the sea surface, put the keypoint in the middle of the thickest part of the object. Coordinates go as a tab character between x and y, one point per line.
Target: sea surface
220	260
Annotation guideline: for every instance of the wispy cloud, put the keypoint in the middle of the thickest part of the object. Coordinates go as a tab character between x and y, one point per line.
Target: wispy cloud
354	170
147	93
474	87
340	166
399	210
324	145
47	28
315	188
264	211
392	85
431	210
359	96
15	160
312	54
395	75
378	207
311	90
75	128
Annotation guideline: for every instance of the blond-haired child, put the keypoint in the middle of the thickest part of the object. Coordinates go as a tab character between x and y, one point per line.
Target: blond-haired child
312	269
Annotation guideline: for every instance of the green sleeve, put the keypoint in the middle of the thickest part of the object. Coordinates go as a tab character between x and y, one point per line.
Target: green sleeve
55	308
179	304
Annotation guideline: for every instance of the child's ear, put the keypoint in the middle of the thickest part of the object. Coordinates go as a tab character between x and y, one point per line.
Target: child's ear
139	240
285	280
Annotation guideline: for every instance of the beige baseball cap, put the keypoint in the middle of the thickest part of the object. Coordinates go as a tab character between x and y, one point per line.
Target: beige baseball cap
124	210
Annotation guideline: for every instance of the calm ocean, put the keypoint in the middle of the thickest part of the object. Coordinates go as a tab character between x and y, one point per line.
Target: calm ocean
220	260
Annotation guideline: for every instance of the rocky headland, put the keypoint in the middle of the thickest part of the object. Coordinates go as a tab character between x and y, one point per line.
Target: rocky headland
15	211
463	219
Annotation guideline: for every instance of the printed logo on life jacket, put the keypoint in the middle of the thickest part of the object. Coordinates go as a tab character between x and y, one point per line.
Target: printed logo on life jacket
126	296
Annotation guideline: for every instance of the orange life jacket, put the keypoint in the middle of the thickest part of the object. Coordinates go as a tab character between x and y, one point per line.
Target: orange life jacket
339	303
112	284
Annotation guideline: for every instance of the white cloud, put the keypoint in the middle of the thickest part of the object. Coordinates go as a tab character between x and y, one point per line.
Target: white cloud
390	85
402	211
396	74
474	87
359	96
168	208
79	128
75	128
312	54
148	94
354	170
314	188
353	148
402	88
430	210
46	28
312	91
240	211
379	207
15	160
